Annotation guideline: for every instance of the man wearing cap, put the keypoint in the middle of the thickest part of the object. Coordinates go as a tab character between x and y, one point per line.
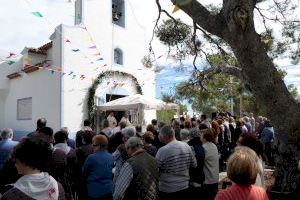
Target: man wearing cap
138	177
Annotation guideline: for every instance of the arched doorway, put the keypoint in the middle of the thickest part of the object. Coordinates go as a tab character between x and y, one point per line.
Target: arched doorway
109	86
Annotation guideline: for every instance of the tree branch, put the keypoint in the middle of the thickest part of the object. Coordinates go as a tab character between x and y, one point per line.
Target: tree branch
224	69
214	24
155	26
223	52
195	45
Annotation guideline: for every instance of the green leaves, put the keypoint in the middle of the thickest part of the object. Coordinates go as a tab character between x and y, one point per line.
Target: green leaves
172	33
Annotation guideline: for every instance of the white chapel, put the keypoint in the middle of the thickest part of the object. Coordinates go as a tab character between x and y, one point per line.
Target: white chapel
101	55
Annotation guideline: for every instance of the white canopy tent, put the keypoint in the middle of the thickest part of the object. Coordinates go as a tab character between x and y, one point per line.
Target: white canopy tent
139	103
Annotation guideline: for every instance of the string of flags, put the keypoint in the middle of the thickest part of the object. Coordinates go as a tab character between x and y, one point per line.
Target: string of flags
58	70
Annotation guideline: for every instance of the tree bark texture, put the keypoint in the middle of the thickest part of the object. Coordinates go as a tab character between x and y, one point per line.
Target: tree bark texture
235	24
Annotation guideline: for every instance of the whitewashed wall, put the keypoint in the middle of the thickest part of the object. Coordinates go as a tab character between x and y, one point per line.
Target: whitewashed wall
43	87
44	90
106	36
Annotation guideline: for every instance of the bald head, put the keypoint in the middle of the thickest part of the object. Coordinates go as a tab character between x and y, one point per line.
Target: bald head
41	122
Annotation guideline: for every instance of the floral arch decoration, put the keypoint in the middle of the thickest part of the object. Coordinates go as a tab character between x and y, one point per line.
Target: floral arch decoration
97	81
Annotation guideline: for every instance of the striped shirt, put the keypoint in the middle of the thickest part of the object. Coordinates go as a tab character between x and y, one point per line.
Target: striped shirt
239	192
174	161
123	181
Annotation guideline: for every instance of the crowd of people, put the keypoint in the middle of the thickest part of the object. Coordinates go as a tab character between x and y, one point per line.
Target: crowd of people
172	161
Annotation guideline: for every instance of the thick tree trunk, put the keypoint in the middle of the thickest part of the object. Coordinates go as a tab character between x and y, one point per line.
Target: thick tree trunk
235	25
269	89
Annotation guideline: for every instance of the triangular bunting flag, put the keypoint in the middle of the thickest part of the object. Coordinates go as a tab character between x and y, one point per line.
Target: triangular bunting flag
97	54
10	55
27	65
99	59
10	62
70	73
176	8
68	41
82	77
45	65
75	50
38	14
74	76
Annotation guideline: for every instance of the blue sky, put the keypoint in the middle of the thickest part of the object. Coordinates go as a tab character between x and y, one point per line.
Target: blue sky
169	77
19	28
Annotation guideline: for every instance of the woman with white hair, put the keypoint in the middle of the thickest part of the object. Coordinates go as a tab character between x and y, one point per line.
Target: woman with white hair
184	135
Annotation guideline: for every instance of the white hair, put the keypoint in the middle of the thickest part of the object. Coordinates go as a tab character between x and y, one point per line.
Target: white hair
128	132
134	142
6	133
